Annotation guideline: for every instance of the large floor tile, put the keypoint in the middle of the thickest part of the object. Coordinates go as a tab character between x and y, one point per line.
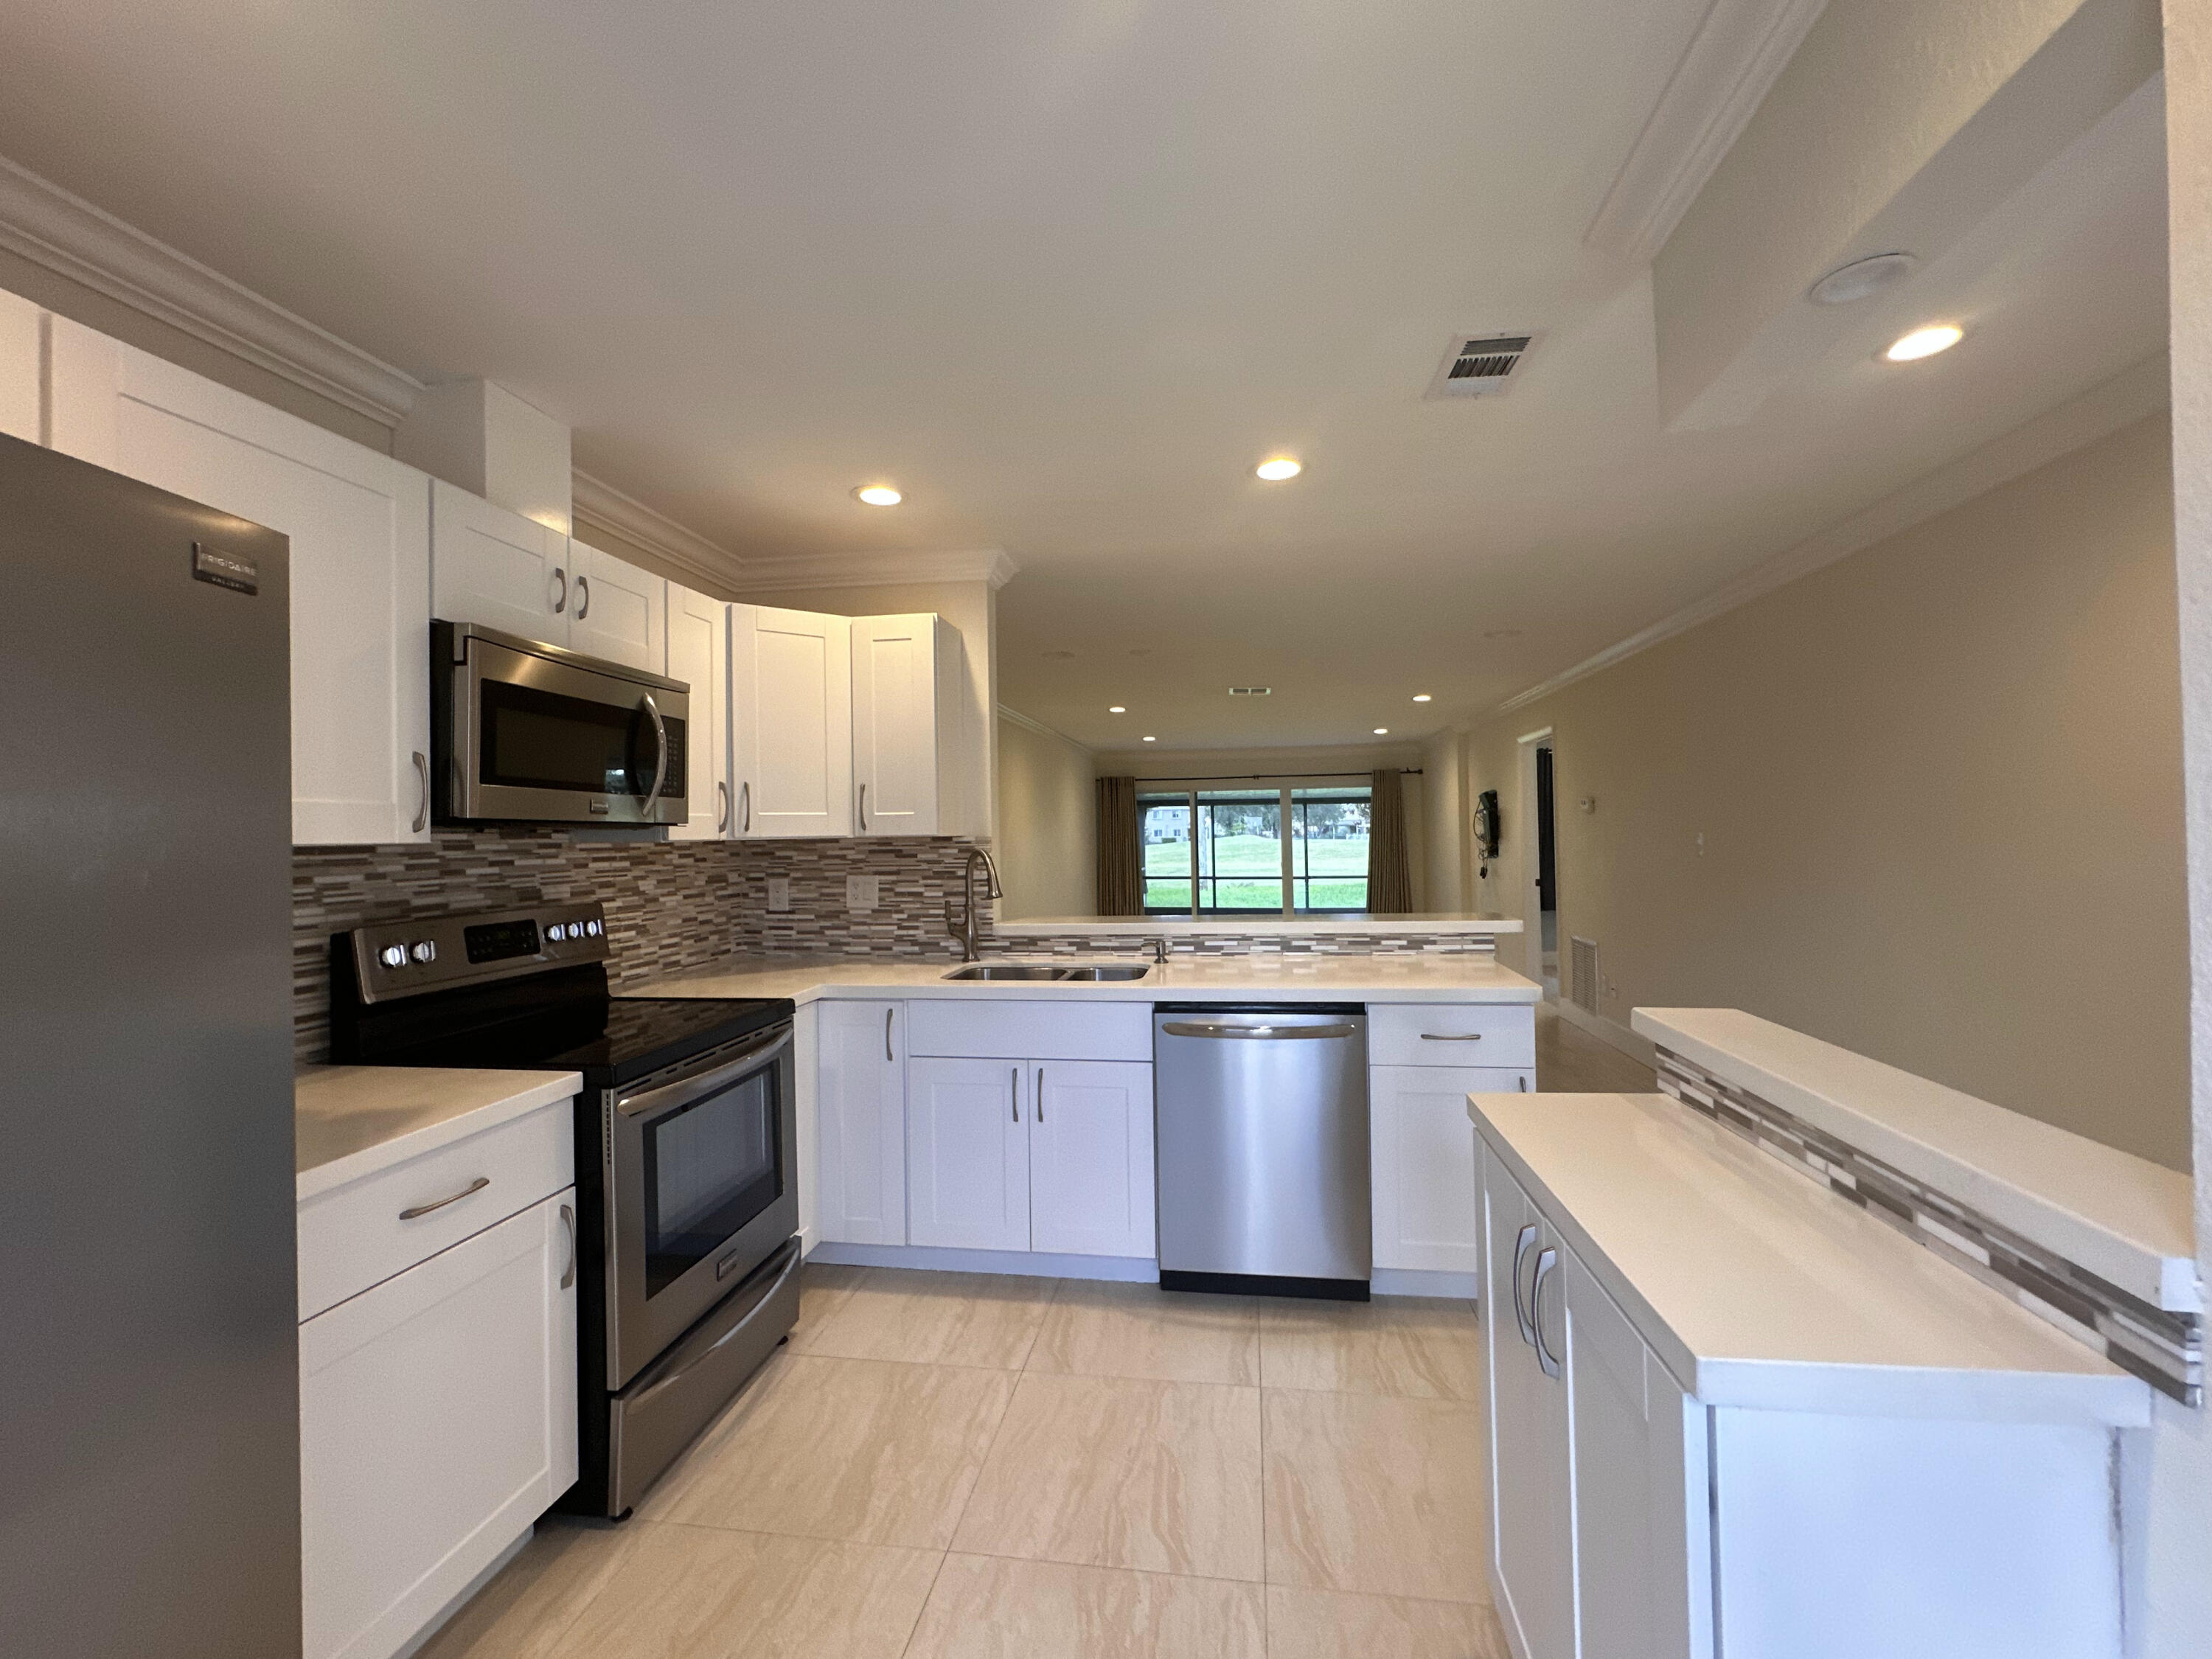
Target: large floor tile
822	1288
1095	1329
934	1319
1116	1472
525	1610
1375	1494
988	1608
841	1449
1409	1345
696	1593
1311	1624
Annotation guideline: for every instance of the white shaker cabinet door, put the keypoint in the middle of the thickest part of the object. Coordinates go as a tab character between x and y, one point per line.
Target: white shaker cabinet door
791	722
616	611
909	727
359	524
1532	1559
698	632
968	1154
497	568
437	1422
23	398
860	1172
1090	1158
1428	1212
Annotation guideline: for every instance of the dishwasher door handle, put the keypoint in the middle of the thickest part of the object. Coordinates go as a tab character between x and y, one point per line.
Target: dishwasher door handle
1186	1028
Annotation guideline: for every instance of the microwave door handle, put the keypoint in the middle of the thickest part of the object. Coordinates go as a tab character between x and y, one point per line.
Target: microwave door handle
660	761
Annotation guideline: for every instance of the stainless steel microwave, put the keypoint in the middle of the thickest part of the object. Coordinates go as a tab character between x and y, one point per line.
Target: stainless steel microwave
525	732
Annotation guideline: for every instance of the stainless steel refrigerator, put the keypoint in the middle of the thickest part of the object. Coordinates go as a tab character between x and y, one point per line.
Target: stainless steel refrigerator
150	1488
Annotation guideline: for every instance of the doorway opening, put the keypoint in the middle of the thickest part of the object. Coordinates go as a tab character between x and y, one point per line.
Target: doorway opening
1547	872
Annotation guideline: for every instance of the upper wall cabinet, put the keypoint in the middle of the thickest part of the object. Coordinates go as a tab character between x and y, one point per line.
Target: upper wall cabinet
616	610
20	394
358	524
791	722
698	632
910	751
497	568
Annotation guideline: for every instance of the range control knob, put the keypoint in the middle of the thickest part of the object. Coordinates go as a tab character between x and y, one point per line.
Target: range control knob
393	956
594	928
423	949
556	933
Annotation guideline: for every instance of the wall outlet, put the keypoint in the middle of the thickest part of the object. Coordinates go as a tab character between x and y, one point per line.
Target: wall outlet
861	892
779	892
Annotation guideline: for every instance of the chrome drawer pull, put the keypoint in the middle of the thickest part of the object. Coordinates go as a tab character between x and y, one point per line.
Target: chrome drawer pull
476	1186
1435	1036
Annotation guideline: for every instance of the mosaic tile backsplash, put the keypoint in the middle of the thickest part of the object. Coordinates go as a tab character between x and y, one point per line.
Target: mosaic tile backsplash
2166	1349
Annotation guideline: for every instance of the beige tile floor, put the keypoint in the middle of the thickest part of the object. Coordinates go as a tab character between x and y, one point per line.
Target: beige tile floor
967	1466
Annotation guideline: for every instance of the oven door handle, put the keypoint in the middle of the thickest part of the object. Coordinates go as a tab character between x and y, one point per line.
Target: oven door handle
684	1091
660	757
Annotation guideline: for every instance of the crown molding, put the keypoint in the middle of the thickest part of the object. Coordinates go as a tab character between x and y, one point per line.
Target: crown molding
46	225
787	572
2128	396
1732	62
1042	729
596	503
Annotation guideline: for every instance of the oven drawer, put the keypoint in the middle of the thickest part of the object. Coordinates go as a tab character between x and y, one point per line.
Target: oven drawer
1451	1034
359	1235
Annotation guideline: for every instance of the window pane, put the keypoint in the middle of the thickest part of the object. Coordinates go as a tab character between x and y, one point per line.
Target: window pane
1163	834
1240	851
1328	850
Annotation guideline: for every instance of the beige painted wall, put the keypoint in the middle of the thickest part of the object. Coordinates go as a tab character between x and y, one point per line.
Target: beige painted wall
1939	784
1048	846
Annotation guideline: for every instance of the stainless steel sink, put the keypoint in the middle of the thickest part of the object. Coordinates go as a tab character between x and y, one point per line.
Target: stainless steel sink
1114	972
1026	970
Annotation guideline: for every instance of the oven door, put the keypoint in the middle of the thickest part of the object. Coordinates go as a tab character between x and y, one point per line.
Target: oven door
702	1187
536	734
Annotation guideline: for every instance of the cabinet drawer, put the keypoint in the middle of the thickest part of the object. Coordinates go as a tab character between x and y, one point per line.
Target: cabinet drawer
356	1236
1030	1031
1451	1034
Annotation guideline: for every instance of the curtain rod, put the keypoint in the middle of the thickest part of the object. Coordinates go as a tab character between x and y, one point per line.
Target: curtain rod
1271	777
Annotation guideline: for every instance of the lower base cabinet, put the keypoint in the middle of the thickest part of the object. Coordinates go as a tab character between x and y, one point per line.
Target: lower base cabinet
437	1422
1422	1152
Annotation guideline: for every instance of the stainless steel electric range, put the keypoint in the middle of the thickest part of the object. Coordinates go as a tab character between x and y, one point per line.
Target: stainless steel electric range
686	1139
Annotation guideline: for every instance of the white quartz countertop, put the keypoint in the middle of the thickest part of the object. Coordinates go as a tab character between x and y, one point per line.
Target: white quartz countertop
352	1120
1404	925
2125	1218
1756	1287
1269	978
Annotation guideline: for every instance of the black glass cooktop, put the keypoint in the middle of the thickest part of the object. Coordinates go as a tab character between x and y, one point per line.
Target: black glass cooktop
612	1040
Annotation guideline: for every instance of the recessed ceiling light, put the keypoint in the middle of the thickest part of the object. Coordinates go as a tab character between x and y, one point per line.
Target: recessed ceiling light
1152	740
1276	468
1422	696
1117	710
1861	278
879	494
1382	731
1925	342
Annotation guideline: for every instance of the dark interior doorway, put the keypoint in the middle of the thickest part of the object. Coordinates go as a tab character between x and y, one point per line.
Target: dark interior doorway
1547	868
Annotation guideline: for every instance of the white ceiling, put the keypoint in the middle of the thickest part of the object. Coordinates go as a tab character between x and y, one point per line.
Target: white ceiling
1065	272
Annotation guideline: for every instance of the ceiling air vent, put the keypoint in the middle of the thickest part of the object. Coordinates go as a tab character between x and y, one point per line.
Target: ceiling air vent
1480	366
1251	691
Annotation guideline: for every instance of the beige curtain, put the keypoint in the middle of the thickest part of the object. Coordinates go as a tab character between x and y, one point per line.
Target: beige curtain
1389	868
1121	860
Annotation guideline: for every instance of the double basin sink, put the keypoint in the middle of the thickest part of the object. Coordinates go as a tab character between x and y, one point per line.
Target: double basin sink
1094	973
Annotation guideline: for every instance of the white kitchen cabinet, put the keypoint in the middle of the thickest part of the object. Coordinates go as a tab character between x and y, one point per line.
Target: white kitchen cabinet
616	611
698	634
1090	1158
1532	1536
910	740
967	1154
360	572
437	1422
497	568
22	397
860	1172
791	722
1427	1215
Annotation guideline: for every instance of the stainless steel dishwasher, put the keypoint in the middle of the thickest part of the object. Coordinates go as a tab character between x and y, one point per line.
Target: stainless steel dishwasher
1261	1149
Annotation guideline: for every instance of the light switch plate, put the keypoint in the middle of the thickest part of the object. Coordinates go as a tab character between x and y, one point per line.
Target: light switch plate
862	891
779	892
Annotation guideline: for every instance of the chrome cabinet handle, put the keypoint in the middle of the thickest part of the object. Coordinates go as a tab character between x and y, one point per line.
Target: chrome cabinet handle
476	1186
422	777
1437	1036
1522	1079
661	746
722	823
1039	1113
1016	1093
745	808
888	1054
1521	1320
1546	1264
863	809
1194	1027
583	597
568	1220
560	601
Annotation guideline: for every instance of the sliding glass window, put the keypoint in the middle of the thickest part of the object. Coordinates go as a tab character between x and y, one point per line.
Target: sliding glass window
1224	852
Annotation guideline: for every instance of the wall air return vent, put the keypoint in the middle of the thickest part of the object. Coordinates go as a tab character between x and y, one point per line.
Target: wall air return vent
1481	365
1251	691
1584	988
